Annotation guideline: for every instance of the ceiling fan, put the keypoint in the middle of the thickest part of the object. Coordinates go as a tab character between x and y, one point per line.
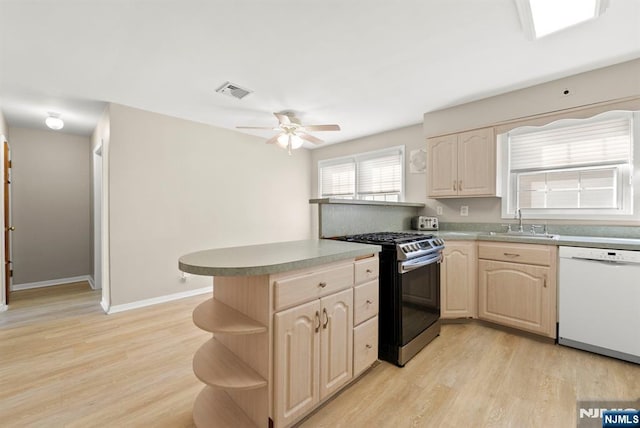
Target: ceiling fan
291	132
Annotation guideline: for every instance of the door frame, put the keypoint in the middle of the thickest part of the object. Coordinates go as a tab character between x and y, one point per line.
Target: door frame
3	257
97	217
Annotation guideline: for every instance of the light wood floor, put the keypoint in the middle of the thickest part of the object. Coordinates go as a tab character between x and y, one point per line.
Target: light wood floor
70	365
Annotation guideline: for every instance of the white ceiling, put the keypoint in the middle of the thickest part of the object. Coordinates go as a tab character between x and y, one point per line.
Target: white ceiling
369	65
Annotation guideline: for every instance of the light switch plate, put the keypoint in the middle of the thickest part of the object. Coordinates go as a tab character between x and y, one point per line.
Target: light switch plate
464	210
439	210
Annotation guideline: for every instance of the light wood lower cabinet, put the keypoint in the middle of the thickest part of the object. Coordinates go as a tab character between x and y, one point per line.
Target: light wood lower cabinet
297	361
313	346
284	343
518	294
458	279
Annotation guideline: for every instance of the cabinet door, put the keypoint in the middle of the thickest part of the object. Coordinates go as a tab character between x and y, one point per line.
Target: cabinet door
520	296
477	163
296	356
443	166
336	361
459	275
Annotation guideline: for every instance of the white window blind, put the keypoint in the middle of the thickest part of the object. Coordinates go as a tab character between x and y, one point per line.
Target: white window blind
571	168
338	180
375	176
381	174
598	143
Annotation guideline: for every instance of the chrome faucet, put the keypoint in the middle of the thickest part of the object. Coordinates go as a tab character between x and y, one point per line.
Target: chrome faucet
519	217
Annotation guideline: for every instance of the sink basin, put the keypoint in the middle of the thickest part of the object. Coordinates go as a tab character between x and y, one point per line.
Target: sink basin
528	235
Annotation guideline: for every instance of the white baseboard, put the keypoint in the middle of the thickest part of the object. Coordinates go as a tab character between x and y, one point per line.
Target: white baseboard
92	284
50	283
3	307
155	300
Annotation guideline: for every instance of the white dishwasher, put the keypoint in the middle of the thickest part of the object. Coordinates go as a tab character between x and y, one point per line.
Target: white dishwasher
599	301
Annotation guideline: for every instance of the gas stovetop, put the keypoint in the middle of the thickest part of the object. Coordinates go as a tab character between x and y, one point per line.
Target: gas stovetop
407	245
382	238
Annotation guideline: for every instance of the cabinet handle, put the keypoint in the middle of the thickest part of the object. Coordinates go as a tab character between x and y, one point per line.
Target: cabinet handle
369	302
369	271
454	186
326	318
322	284
460	185
368	346
512	254
318	320
544	281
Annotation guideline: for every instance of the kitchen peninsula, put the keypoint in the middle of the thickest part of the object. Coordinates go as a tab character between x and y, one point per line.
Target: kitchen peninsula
293	323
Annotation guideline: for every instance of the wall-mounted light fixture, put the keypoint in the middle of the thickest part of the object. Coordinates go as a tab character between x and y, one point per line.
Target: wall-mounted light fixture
54	122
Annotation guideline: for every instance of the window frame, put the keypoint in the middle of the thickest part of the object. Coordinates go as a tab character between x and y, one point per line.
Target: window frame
356	159
627	176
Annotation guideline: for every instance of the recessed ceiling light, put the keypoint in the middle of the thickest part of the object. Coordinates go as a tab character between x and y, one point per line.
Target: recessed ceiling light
54	122
542	17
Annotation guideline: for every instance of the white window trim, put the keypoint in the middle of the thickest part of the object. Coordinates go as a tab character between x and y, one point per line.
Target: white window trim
633	196
356	158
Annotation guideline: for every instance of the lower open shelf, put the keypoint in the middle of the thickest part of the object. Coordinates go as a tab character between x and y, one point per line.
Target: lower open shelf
214	408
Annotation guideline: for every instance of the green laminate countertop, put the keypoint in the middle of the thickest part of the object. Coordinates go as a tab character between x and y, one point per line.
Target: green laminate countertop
560	240
272	258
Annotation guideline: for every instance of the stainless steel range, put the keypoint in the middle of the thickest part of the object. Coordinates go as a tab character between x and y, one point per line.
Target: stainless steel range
409	315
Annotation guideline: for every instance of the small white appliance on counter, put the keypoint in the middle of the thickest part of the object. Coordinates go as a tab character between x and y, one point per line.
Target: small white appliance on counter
424	223
599	301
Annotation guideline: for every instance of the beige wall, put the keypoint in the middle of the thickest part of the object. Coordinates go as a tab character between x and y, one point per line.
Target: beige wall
411	137
615	82
4	129
609	83
50	205
177	186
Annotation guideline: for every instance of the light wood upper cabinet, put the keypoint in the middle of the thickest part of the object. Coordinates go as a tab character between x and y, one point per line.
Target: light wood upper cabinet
462	165
458	273
521	292
443	165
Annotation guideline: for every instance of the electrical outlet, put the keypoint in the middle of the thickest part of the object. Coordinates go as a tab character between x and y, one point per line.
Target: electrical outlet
464	210
184	276
439	210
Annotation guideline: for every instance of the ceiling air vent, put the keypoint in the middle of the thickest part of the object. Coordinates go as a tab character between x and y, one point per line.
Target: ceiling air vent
233	90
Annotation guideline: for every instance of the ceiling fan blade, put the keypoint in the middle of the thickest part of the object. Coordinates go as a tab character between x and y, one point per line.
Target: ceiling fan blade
254	127
273	140
309	138
283	118
322	127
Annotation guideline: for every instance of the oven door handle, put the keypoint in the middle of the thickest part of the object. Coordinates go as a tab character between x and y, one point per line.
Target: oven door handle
409	265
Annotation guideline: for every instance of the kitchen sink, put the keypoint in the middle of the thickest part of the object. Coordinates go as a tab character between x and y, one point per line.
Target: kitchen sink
528	235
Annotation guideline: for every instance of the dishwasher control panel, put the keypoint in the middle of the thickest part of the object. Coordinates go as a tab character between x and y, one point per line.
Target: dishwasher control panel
603	254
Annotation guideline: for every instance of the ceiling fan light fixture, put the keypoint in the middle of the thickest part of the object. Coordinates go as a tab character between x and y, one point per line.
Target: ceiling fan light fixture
54	122
296	142
283	140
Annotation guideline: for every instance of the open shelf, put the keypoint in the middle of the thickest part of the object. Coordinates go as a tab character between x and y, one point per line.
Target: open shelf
216	365
214	408
216	317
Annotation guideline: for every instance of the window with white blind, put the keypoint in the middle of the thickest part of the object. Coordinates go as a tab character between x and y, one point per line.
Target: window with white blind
374	176
571	168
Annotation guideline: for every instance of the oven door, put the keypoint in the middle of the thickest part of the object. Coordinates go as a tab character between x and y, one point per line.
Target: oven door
420	287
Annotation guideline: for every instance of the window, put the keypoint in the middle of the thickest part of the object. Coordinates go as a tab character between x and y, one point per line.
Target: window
372	176
571	168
